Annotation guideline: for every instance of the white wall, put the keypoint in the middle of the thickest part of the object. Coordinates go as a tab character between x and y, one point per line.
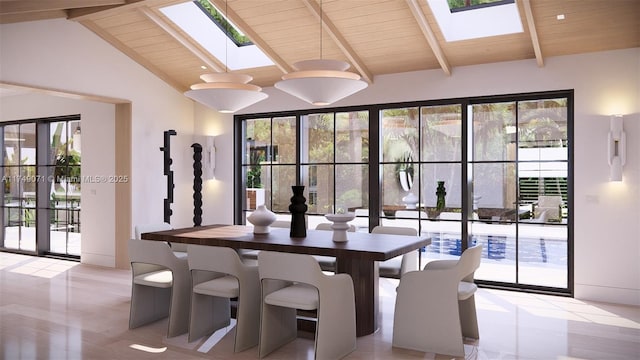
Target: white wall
607	215
64	55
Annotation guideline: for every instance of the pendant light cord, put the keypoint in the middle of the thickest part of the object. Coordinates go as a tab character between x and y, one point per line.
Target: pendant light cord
320	29
226	41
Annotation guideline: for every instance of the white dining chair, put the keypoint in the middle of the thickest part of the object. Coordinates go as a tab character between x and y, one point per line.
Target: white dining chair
295	281
397	266
218	275
435	307
159	287
179	249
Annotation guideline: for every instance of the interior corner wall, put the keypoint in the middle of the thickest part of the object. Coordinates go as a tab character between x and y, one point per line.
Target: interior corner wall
97	122
65	56
606	214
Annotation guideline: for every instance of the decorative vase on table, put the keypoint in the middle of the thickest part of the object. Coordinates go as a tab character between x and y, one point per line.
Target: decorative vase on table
261	218
340	225
441	192
298	208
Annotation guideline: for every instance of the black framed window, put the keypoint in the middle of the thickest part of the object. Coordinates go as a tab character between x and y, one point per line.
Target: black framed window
493	170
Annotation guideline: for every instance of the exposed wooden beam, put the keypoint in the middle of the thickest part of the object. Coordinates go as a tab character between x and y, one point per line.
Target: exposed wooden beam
90	13
342	43
132	54
429	35
60	93
32	16
532	31
206	59
23	6
255	38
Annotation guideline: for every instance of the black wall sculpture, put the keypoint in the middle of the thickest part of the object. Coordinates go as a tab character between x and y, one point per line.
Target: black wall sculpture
166	149
197	184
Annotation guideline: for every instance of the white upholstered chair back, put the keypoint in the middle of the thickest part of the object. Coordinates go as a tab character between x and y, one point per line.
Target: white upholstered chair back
293	281
219	270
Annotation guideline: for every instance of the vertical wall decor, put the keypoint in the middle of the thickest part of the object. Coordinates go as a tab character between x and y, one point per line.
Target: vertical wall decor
617	140
166	149
209	158
197	184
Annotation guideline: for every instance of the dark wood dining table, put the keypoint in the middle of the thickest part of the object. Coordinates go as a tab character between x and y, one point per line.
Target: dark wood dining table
357	257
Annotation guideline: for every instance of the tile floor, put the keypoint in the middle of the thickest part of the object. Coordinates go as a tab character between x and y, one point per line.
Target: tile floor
56	309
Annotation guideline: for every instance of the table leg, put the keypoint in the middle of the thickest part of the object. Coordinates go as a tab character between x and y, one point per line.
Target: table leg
364	274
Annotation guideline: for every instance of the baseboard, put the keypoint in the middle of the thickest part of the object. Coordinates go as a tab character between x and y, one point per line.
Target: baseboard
608	294
98	259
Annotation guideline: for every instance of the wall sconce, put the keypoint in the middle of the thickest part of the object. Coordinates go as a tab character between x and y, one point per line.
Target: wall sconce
209	158
616	148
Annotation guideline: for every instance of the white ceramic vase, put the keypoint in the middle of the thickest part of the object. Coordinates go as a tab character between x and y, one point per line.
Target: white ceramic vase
410	201
261	219
340	225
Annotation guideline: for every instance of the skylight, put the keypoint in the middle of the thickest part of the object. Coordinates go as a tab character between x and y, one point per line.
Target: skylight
462	5
223	23
478	22
200	27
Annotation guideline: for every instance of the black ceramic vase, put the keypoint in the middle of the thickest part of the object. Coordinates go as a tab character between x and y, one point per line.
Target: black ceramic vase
298	208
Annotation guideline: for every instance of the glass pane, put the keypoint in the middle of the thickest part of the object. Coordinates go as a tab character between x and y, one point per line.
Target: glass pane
441	133
255	192
436	177
499	242
283	150
28	180
58	238
282	177
494	131
58	142
392	190
317	138
543	188
542	255
75	138
445	238
399	134
543	124
352	137
319	188
257	141
11	145
12	185
74	180
28	144
494	192
352	184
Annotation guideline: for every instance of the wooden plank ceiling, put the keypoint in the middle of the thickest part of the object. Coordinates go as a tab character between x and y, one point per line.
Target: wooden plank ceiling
375	36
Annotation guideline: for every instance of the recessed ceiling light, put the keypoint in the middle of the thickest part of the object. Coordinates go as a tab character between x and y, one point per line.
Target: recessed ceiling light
560	17
203	67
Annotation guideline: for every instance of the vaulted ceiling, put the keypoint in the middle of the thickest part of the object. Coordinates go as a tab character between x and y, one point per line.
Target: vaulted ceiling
375	36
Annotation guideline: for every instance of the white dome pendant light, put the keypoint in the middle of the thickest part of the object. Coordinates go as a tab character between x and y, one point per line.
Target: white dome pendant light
226	92
321	82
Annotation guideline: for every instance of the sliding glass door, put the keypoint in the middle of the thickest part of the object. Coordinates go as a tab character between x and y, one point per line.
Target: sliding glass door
42	180
494	171
19	180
